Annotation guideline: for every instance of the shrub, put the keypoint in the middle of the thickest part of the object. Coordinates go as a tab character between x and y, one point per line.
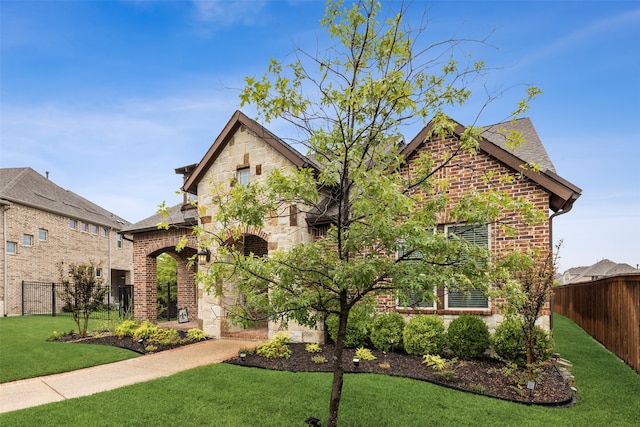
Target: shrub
358	326
319	359
468	336
364	354
424	334
276	347
509	343
434	361
386	331
125	329
313	348
169	337
196	334
145	330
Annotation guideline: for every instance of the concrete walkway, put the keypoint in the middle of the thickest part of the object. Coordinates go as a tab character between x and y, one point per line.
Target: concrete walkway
53	388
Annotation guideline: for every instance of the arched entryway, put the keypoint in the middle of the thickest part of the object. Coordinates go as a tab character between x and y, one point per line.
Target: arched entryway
147	247
249	244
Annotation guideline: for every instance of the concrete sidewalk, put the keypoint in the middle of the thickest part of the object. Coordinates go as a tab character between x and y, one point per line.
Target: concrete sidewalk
53	388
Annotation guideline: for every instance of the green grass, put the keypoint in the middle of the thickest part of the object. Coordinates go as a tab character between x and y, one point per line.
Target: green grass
26	353
226	395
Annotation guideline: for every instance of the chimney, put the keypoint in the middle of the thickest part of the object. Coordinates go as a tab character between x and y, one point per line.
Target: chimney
47	173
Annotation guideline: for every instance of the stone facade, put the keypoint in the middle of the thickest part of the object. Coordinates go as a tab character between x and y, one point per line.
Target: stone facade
246	150
37	262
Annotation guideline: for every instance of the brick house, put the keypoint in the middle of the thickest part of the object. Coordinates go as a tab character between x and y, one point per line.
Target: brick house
246	152
43	224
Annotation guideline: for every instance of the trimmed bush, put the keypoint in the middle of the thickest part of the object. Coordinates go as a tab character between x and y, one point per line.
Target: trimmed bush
276	348
386	331
126	328
468	336
195	334
145	330
509	343
162	336
358	326
424	334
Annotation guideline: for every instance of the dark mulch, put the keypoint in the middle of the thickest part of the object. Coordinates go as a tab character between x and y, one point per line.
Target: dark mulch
484	376
129	343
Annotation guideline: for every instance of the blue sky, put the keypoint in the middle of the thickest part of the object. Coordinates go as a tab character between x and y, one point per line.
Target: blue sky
111	96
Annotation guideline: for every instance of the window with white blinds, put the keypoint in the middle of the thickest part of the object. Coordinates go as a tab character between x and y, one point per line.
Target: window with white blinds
473	298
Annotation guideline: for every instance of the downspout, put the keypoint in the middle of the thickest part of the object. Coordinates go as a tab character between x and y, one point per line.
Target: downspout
561	211
5	207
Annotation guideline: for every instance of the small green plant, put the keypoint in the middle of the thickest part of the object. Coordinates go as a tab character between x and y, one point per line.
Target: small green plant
386	331
169	337
468	336
196	334
55	336
364	354
424	334
145	330
385	365
313	348
126	328
434	361
150	348
275	348
479	388
319	359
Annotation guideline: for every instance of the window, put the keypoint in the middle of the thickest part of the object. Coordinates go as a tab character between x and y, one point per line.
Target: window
94	229
27	240
412	299
73	224
242	176
83	227
11	247
474	298
119	241
98	272
103	232
42	234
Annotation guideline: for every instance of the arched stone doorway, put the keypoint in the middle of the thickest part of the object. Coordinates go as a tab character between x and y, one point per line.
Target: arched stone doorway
219	324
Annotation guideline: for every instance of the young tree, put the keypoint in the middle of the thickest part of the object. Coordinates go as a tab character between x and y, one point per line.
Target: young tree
349	104
527	288
82	291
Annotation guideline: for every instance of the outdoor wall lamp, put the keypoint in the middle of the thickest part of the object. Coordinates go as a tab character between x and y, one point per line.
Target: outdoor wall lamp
204	255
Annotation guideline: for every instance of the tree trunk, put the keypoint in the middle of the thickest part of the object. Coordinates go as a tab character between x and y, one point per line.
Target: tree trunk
338	369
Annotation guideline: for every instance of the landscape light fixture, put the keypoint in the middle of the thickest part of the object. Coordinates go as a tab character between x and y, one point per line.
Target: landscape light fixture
204	255
356	362
243	356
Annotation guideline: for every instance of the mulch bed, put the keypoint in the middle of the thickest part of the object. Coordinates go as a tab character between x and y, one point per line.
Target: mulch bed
484	376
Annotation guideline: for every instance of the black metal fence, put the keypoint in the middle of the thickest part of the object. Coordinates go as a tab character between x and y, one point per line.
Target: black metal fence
44	298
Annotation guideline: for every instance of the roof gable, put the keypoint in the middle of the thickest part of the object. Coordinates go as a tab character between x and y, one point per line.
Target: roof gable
27	187
562	193
237	120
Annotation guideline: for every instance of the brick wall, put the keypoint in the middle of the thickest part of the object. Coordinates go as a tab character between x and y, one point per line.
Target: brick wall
38	262
146	247
469	172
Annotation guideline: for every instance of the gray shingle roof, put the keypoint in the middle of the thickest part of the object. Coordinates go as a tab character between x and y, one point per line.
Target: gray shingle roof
27	187
531	151
177	216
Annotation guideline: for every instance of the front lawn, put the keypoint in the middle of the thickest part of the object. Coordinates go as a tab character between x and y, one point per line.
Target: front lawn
226	395
26	353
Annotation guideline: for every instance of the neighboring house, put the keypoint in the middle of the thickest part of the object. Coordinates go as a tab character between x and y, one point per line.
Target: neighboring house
43	224
246	152
599	270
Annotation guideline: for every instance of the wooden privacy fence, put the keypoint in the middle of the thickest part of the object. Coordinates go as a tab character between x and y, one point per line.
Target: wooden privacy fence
607	309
